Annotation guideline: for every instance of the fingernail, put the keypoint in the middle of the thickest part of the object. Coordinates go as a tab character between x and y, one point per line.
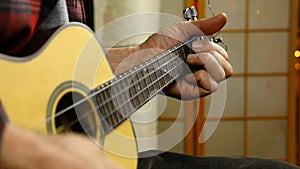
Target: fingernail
198	44
190	58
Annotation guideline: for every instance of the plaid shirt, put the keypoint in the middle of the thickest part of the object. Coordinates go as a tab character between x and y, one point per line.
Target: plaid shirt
76	10
20	19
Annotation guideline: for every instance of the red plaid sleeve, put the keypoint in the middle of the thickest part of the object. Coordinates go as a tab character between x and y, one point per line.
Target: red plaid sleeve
19	20
76	10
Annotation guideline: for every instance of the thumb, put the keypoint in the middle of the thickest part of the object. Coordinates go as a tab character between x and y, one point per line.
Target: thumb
211	25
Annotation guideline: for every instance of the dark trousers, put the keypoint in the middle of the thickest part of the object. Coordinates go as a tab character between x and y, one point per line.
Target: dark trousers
169	160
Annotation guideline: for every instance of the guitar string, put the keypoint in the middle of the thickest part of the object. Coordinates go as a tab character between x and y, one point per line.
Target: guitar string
146	88
143	79
120	120
138	82
176	47
137	94
88	97
127	74
104	119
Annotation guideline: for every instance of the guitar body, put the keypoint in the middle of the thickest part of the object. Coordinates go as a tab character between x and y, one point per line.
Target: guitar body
34	89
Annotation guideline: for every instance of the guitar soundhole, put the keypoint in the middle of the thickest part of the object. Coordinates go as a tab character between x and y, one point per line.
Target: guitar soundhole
74	117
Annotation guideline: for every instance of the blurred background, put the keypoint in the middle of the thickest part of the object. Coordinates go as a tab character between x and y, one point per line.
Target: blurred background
261	112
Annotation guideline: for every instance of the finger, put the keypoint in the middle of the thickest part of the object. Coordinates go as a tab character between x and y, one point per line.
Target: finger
212	50
226	66
199	46
210	64
203	81
211	25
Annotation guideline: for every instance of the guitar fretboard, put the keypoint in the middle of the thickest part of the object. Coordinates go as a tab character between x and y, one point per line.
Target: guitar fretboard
120	97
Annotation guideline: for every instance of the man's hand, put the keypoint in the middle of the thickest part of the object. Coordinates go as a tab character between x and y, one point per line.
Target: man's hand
210	58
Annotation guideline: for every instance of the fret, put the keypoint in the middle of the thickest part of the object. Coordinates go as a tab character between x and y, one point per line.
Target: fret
159	73
106	94
139	85
152	80
141	97
127	96
110	105
135	99
106	127
161	63
112	112
166	78
128	109
117	117
173	64
147	81
98	101
107	116
143	86
134	103
125	84
161	80
156	84
144	93
143	82
104	108
183	53
149	92
118	93
156	72
108	122
123	97
135	86
133	92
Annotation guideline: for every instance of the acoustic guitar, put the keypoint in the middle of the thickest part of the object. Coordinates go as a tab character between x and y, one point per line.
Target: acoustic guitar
68	85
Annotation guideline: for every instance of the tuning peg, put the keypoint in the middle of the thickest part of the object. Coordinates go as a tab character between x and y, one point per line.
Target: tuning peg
194	12
187	14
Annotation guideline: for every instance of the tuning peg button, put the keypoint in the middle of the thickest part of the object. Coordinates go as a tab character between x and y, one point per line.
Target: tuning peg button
187	14
194	12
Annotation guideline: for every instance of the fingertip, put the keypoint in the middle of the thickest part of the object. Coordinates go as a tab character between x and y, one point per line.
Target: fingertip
223	16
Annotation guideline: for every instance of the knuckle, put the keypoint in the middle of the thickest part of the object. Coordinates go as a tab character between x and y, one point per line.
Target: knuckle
214	87
229	71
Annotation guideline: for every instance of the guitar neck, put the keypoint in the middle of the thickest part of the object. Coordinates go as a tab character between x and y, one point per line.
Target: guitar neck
120	97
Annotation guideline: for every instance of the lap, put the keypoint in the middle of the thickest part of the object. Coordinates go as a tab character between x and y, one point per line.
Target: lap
169	160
